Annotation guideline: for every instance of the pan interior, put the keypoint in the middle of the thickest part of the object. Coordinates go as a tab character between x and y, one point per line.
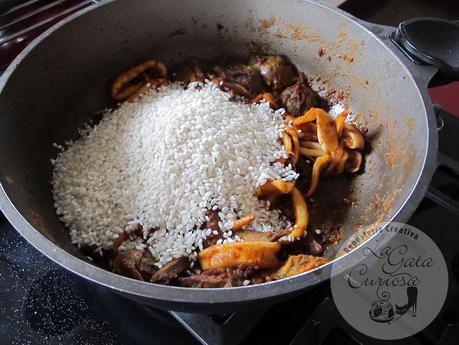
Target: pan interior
64	81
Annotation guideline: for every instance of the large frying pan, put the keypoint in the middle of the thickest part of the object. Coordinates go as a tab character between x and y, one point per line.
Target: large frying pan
61	79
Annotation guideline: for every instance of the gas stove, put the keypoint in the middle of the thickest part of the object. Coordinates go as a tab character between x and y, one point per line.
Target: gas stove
41	303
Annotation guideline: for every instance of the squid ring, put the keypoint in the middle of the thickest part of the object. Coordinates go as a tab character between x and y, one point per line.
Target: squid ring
152	84
119	89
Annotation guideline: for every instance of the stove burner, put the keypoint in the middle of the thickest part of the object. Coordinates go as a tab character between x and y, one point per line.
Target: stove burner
220	329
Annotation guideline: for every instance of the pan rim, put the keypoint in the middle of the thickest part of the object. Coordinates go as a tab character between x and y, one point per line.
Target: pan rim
173	295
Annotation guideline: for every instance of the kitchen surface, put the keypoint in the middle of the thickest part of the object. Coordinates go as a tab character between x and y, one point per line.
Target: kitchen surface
42	303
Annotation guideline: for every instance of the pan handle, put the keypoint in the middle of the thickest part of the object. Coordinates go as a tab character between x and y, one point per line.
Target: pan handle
431	42
430	47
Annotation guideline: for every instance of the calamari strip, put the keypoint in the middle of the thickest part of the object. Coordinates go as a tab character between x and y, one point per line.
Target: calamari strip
354	161
301	214
292	133
308	116
310	145
326	132
307	131
352	138
240	223
340	121
311	152
338	160
128	91
289	118
152	84
326	128
275	186
120	92
319	165
257	253
268	97
287	141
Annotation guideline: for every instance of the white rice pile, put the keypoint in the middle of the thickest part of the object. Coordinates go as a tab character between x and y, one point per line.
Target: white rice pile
165	160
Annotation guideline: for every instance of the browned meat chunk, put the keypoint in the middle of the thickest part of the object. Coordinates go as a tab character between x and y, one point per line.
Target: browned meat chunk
99	257
126	263
299	97
313	246
210	279
147	267
244	75
217	278
276	71
169	273
213	220
191	71
123	236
